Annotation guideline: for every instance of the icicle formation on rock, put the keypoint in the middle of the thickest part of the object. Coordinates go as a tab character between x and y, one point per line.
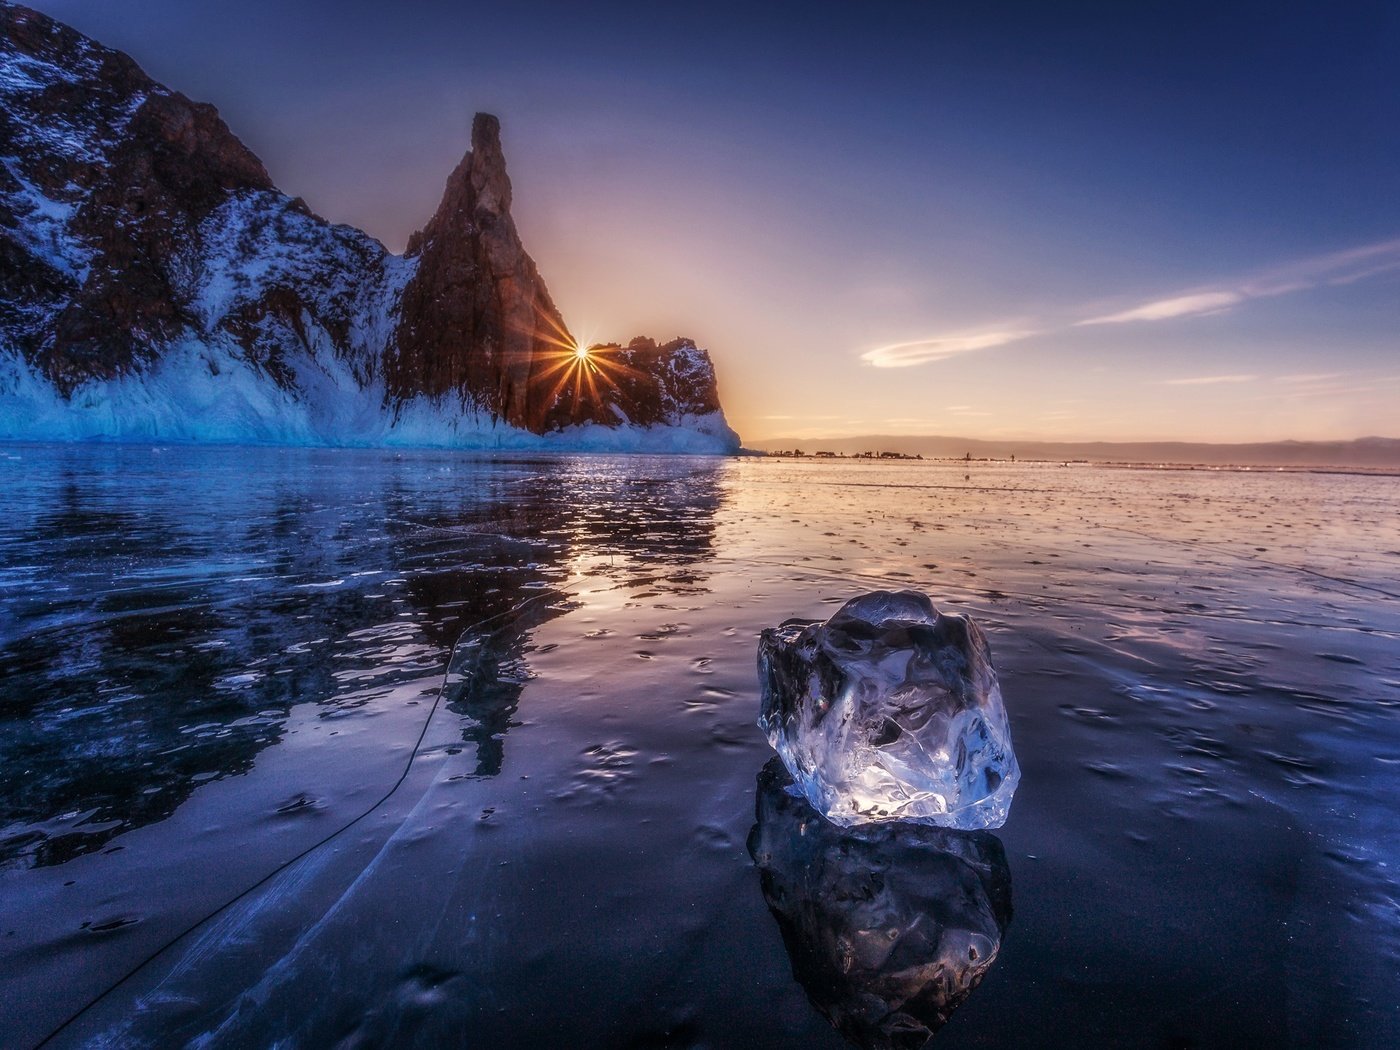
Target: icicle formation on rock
890	711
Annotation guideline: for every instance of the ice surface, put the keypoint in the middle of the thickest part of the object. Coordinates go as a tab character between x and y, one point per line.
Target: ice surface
889	927
890	711
1205	765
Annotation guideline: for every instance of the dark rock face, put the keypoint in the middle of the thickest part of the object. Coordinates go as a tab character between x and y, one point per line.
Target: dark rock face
476	320
640	383
135	226
139	166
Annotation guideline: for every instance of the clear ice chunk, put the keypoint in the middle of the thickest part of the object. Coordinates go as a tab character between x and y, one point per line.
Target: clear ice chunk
889	710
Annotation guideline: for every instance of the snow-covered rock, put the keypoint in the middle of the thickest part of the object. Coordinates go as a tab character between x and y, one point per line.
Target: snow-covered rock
155	285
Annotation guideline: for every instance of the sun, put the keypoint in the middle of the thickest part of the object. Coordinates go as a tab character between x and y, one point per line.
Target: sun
578	371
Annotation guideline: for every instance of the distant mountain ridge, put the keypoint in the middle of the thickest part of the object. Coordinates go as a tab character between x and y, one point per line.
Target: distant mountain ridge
155	284
1374	452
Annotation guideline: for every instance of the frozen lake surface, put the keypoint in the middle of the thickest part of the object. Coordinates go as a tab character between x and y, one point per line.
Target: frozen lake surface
242	804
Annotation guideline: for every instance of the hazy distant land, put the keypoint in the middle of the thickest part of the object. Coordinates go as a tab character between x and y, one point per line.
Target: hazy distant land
1372	452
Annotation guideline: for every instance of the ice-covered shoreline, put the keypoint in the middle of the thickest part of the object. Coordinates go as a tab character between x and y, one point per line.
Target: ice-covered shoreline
203	394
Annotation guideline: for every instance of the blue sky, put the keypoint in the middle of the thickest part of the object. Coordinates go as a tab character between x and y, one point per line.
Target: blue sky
883	218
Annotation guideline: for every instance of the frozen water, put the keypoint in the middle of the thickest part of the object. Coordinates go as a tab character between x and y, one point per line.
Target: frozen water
211	658
890	710
889	926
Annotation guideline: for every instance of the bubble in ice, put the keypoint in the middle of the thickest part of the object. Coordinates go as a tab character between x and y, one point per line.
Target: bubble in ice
887	711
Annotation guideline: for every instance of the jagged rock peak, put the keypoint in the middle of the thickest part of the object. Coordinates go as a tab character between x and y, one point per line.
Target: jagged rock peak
478	184
476	320
488	169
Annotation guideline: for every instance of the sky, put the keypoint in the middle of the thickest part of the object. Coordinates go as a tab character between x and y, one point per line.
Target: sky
1097	220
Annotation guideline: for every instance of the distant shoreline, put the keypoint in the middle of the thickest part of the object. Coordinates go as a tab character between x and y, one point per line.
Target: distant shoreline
1360	470
527	453
1366	455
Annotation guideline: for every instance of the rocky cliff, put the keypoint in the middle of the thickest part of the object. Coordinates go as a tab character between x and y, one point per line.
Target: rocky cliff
155	284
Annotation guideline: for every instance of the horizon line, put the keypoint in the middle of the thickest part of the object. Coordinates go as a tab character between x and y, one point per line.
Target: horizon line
1074	441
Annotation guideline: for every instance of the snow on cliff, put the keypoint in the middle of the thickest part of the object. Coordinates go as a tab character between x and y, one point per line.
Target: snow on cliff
155	285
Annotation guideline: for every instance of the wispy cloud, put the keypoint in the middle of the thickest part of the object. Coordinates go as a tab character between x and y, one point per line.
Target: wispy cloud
1334	268
1209	380
1309	377
1176	306
939	348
